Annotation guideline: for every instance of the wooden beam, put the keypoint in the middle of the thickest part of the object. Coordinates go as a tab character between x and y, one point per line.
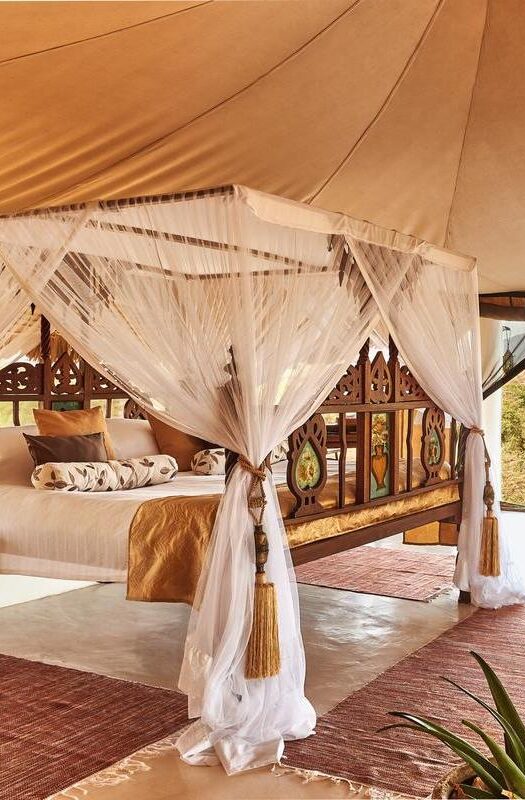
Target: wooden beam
505	313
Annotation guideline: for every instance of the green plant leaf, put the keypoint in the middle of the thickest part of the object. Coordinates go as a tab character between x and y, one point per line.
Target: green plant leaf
514	777
473	791
500	695
489	773
515	746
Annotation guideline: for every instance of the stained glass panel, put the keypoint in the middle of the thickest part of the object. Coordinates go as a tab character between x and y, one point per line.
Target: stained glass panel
380	456
434	449
308	469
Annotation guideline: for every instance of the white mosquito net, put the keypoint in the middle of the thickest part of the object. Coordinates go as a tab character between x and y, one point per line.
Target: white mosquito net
231	314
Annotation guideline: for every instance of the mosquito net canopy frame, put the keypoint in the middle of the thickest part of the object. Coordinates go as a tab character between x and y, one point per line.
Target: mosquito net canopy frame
231	314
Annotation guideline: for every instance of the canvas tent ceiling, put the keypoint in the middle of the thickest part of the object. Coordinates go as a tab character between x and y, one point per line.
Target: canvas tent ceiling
406	112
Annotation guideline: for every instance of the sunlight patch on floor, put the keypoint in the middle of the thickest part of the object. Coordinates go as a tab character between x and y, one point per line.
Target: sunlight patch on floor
16	589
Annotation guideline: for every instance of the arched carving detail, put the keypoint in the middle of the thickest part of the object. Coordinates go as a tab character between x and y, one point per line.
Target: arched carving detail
21	378
57	377
347	389
307	465
66	376
132	410
100	383
380	380
409	388
433	443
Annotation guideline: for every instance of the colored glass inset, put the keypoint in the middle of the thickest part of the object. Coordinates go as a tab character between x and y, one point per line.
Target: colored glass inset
308	469
380	457
434	449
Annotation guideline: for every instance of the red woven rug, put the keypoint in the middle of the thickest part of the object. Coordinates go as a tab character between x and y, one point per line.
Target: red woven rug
391	572
346	743
60	725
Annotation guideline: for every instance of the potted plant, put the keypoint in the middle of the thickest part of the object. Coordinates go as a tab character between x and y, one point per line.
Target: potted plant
502	775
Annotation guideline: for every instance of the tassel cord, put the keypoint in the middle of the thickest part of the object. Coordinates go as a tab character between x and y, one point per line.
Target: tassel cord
489	556
262	655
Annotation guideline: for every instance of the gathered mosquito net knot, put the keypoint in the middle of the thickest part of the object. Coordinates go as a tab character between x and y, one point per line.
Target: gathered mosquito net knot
256	496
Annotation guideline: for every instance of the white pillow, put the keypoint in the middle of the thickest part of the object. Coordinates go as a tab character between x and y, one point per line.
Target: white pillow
105	476
213	462
209	462
131	438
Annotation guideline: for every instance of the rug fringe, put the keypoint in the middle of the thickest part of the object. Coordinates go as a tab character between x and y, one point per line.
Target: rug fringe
136	762
119	772
360	790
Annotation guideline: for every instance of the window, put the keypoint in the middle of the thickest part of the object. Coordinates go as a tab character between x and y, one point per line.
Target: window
513	441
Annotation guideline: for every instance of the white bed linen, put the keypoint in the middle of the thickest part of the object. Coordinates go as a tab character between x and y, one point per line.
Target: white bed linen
79	536
84	535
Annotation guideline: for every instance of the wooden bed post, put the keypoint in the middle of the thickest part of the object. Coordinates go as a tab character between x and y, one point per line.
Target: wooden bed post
393	366
341	492
88	382
363	430
45	351
410	449
453	445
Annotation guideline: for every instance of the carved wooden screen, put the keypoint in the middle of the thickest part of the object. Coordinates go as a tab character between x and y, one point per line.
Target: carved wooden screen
373	410
65	384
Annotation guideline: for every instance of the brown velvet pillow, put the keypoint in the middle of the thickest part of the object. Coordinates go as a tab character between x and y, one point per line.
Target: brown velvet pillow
74	423
64	449
173	442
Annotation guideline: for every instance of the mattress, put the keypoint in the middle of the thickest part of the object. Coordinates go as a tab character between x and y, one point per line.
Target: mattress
79	536
84	536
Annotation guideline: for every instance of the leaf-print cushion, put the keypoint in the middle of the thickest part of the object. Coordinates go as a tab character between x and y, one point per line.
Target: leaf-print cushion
279	452
209	462
105	476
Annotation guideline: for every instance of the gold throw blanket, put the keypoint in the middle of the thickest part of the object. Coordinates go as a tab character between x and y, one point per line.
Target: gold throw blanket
168	537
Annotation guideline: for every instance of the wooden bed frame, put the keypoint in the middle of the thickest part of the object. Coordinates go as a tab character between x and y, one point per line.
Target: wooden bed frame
374	391
370	388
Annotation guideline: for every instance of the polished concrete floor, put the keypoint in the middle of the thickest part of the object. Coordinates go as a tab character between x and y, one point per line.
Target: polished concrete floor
349	639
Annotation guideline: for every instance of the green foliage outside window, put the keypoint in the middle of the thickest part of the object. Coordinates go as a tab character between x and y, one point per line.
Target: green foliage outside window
513	441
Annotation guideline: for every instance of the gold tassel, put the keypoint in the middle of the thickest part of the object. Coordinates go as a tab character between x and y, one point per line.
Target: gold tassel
489	554
489	563
263	657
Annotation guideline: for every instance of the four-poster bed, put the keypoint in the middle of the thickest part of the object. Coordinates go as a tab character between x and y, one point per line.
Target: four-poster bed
331	477
232	315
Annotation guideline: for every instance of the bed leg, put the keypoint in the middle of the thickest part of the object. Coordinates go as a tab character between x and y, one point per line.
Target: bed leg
464	597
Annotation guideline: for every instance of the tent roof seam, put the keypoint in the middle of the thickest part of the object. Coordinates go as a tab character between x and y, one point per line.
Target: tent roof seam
150	146
102	35
399	80
467	123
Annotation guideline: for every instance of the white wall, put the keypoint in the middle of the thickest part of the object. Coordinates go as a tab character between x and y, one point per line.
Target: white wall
491	353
